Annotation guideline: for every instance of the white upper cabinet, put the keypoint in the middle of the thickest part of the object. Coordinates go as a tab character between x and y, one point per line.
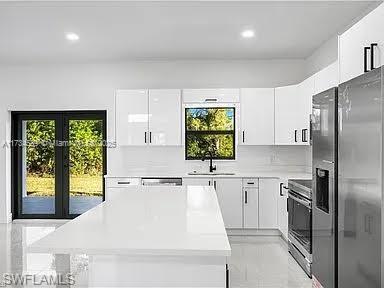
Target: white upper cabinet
306	90
211	95
148	117
352	43
286	118
131	117
257	116
165	117
327	78
293	106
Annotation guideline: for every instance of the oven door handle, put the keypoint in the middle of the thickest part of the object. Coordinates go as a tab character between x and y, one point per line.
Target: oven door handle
301	201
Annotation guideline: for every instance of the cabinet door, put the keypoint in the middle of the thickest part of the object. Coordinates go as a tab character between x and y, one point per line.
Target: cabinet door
251	207
286	117
268	191
211	95
352	42
327	78
197	181
229	194
165	117
257	116
282	209
131	117
304	110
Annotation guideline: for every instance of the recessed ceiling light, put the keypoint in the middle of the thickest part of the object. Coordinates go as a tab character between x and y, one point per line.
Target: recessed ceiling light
72	37
248	33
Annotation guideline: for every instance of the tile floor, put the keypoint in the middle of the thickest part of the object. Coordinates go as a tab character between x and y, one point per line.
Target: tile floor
258	262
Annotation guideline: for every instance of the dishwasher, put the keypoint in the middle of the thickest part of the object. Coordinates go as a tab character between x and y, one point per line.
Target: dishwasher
161	181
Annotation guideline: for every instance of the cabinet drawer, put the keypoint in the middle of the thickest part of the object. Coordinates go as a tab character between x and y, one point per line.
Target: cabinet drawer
251	182
122	182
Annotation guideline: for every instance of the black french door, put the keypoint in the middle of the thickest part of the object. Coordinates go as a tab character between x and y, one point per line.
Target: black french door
58	163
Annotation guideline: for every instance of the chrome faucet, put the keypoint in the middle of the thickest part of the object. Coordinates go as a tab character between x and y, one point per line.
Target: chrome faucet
211	167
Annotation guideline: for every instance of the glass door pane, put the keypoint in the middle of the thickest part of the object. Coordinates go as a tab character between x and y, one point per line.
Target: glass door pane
38	189
85	164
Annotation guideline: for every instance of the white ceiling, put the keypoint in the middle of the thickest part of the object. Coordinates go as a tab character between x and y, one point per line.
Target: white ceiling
33	32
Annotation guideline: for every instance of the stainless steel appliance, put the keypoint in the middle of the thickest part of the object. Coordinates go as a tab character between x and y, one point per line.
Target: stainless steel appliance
161	181
324	163
360	181
300	222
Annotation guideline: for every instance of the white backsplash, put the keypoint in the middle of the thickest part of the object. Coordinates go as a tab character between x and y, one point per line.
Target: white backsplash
125	160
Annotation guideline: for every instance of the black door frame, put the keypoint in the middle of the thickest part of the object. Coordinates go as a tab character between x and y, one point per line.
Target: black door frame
61	158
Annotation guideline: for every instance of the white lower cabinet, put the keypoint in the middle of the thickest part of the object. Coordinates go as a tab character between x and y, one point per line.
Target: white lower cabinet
282	209
250	203
229	194
268	191
251	208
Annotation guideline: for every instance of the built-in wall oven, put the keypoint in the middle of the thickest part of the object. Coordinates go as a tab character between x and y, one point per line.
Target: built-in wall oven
300	222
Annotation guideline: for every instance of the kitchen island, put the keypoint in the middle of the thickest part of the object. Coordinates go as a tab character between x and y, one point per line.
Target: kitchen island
149	237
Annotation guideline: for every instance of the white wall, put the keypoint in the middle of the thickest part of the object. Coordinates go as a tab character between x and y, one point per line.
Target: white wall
323	56
91	86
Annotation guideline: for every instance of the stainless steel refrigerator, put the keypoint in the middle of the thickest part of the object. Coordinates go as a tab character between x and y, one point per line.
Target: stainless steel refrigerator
324	187
360	181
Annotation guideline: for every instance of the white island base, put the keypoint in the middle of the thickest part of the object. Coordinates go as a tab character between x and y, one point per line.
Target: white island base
127	271
148	237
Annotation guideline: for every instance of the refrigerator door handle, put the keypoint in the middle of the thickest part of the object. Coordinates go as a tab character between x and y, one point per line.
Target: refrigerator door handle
373	45
365	58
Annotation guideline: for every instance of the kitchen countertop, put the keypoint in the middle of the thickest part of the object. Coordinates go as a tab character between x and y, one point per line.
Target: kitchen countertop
143	220
256	174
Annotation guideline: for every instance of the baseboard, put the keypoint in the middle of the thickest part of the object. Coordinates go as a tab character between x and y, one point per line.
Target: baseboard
9	218
253	232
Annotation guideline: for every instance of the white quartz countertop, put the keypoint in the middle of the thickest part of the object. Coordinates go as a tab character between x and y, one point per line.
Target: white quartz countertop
256	174
145	220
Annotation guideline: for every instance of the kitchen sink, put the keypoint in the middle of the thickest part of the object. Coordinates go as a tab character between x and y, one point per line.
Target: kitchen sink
211	173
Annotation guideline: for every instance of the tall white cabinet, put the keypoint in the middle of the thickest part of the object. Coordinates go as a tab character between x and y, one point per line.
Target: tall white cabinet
257	116
148	117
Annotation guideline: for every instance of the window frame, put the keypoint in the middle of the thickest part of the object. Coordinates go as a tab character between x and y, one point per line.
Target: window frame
210	132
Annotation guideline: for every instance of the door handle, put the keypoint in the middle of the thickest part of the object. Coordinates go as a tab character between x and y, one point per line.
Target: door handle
295	136
211	100
281	189
246	197
214	184
243	136
145	137
304	135
150	137
365	58
373	45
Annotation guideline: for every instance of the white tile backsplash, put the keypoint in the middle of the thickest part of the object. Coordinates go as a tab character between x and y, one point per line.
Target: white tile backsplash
123	160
